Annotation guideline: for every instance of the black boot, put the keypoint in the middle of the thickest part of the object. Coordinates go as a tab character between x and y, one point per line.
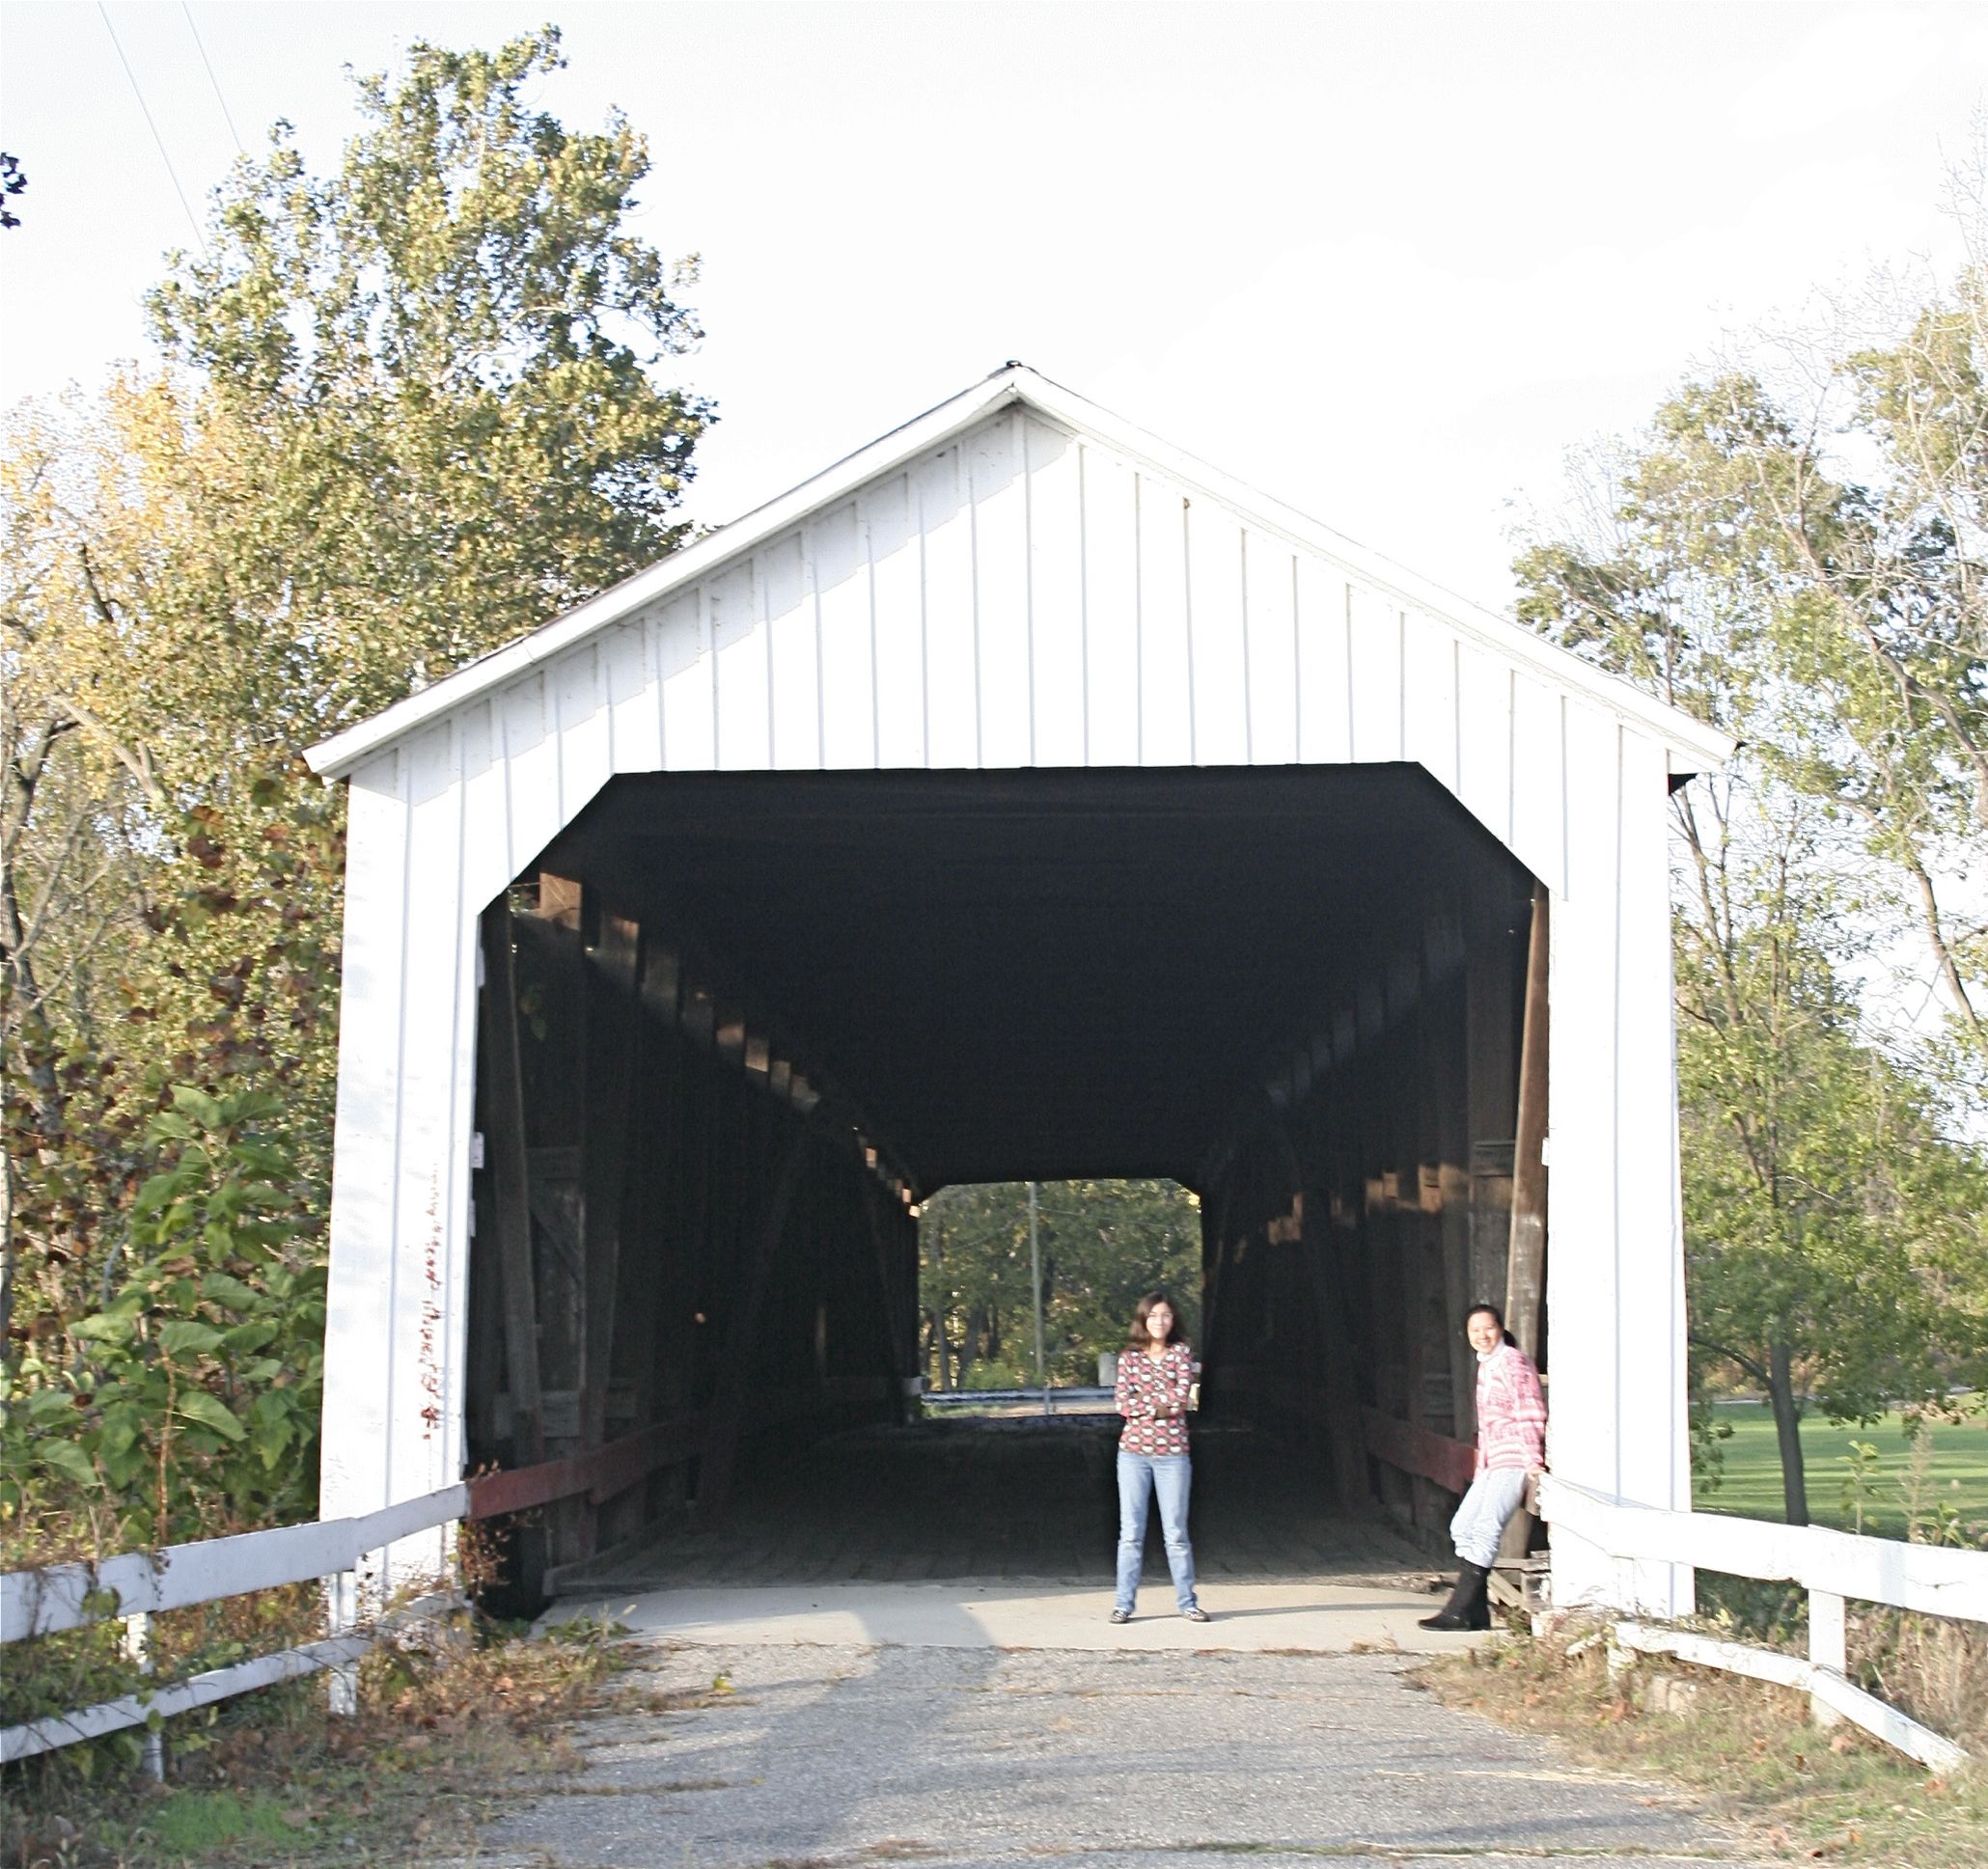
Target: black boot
1469	1607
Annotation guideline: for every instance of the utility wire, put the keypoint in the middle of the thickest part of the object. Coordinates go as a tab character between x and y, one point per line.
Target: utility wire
226	117
199	237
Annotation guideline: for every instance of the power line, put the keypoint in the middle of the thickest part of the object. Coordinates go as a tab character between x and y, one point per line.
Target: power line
226	117
199	237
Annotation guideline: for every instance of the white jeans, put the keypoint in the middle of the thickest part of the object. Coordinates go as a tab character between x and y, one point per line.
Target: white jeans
1480	1521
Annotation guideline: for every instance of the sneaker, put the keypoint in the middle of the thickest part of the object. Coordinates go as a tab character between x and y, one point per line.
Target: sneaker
1196	1615
1121	1615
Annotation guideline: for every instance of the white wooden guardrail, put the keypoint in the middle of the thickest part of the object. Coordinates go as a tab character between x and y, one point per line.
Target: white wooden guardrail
1932	1580
136	1587
143	1583
1829	1565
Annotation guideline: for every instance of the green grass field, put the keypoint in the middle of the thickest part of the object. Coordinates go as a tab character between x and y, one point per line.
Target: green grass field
1957	1475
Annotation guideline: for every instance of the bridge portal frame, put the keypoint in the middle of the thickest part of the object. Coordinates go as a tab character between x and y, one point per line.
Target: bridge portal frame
1015	579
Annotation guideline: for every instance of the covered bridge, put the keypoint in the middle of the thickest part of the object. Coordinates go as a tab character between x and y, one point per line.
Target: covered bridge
1018	799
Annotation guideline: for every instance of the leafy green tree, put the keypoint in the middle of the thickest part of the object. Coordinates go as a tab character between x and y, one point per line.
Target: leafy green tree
1102	1244
1835	1246
402	413
428	389
1839	626
200	1383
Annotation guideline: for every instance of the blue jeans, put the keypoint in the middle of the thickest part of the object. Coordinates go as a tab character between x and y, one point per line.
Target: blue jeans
1140	1478
1479	1523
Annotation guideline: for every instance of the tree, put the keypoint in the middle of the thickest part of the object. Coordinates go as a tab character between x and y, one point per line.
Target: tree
1102	1244
1836	1249
1828	1218
428	411
401	414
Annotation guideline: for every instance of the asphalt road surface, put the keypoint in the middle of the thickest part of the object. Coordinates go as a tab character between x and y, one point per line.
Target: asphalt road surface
820	1757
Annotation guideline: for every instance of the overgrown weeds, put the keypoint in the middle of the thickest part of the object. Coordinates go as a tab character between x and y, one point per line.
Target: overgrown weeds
81	1668
1926	1666
1747	1749
1932	1669
449	1714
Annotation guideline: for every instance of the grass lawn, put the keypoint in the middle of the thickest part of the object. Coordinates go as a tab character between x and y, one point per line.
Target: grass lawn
1957	1475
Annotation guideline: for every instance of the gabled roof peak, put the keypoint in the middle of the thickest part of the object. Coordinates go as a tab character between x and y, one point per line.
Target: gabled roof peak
1695	747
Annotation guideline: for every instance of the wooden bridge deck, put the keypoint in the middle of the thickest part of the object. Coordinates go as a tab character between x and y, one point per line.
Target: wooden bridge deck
1006	1497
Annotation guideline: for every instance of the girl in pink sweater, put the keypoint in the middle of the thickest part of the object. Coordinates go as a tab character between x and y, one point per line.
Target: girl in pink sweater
1512	1449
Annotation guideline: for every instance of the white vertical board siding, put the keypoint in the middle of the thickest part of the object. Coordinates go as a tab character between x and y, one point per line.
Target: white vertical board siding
1166	661
1428	699
487	843
1483	745
1535	800
1583	1254
1614	1247
1114	630
1017	595
898	623
1269	596
428	1270
686	702
740	672
529	749
1216	569
840	561
1003	633
359	1301
635	732
1654	1430
1057	593
792	672
394	1337
951	628
486	869
584	728
1374	674
1325	694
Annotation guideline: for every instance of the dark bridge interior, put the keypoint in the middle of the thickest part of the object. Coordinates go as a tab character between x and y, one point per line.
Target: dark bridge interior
737	1026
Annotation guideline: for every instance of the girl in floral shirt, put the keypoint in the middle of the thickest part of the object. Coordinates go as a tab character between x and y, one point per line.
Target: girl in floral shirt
1156	1375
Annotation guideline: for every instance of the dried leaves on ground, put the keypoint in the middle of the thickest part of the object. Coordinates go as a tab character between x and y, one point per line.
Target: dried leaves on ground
447	1724
1748	1751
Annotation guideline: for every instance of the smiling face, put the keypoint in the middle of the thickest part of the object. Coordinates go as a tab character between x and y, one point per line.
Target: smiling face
1484	1332
1159	1324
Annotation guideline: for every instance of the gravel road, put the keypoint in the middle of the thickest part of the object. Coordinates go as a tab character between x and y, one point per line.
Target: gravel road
818	1757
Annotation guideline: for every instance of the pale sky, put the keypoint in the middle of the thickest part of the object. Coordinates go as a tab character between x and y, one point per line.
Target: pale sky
1386	261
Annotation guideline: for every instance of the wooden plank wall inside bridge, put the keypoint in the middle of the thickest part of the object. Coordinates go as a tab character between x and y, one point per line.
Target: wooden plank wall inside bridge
1368	1202
676	1249
670	1229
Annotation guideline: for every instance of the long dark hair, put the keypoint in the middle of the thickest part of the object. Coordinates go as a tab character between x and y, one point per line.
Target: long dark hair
1140	1336
1496	1317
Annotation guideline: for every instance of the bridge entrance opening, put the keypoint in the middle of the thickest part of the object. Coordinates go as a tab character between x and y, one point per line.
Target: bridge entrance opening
739	1029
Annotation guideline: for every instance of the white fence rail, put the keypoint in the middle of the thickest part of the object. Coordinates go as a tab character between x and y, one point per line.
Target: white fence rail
143	1583
1829	1565
1832	1566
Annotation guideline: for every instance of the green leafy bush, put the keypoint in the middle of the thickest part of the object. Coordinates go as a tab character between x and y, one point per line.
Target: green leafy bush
191	1398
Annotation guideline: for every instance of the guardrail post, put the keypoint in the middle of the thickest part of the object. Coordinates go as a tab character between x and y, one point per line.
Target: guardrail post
136	1642
341	1605
1827	1648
